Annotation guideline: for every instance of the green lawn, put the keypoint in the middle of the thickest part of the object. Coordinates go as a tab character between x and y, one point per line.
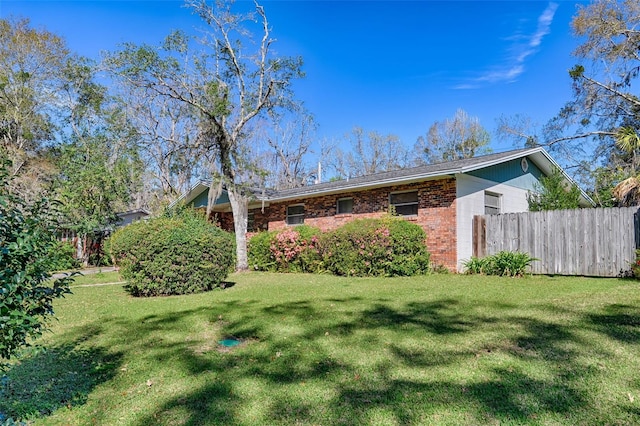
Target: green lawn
97	278
442	349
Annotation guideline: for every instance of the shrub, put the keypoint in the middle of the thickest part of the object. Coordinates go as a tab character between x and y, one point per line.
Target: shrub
504	263
410	254
27	294
288	250
176	255
259	252
376	247
635	266
476	265
61	254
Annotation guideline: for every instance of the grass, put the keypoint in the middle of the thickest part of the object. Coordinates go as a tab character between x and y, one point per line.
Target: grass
97	278
442	349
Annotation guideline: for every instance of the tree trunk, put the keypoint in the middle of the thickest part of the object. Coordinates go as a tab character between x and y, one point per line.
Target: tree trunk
79	248
82	249
240	210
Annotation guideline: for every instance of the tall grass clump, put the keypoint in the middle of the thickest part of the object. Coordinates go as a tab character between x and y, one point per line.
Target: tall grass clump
503	263
172	255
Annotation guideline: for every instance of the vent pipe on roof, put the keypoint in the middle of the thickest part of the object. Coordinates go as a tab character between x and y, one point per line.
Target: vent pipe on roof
319	177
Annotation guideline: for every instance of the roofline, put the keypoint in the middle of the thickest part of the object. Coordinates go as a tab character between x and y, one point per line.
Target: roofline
583	194
187	194
314	191
361	186
414	178
145	211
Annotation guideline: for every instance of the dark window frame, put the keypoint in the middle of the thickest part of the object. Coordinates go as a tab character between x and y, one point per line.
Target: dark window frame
292	218
405	208
339	211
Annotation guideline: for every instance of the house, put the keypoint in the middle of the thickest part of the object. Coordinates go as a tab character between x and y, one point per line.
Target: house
90	245
442	198
130	216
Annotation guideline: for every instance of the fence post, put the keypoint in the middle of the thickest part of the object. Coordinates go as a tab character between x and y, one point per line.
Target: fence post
479	236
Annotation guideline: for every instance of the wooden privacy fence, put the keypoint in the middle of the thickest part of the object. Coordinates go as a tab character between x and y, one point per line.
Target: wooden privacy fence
593	242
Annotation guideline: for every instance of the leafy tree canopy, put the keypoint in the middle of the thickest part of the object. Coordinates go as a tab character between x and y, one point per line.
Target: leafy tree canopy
26	239
552	194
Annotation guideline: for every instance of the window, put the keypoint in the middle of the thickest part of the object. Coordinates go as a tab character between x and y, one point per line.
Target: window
295	215
491	203
345	205
405	203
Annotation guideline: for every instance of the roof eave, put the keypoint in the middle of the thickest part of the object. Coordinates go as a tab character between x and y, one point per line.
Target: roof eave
190	195
452	172
586	201
365	186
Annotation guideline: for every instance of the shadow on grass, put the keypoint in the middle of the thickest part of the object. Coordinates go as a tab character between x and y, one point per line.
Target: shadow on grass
354	392
534	372
215	404
48	379
620	322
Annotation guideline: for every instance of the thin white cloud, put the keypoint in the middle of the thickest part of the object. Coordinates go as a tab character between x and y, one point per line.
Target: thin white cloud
523	46
503	74
544	24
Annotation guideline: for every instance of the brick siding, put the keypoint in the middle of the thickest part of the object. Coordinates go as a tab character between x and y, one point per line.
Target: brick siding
436	214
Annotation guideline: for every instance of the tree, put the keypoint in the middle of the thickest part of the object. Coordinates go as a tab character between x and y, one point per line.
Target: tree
26	238
453	139
369	153
612	37
605	180
604	107
290	144
32	64
604	101
97	159
165	136
228	88
552	194
91	192
627	191
520	129
604	114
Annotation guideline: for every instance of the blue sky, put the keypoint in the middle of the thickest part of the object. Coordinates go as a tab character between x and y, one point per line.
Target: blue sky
393	67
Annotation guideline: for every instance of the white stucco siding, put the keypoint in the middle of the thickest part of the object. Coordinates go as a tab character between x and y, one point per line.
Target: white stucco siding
470	202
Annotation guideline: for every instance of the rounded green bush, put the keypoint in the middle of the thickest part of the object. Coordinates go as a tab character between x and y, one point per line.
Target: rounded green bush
177	255
376	247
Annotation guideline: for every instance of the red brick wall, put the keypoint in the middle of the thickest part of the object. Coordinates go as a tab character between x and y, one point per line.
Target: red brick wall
436	214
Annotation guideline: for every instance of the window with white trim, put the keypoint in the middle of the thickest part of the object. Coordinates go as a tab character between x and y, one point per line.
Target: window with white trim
295	214
491	203
405	203
345	206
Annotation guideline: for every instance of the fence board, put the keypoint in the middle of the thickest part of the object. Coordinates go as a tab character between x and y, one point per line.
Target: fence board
593	242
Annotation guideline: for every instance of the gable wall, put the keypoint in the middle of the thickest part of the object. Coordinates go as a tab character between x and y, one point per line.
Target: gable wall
436	214
203	198
471	191
511	173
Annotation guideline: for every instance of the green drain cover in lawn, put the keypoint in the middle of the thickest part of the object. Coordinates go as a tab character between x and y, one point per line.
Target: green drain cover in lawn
228	343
